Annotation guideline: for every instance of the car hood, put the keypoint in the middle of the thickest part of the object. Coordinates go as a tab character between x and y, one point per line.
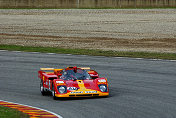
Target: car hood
87	84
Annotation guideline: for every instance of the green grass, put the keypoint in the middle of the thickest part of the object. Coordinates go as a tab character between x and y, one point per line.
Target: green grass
150	55
6	112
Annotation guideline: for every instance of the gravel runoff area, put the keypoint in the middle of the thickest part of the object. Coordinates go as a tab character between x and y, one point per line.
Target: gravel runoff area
151	30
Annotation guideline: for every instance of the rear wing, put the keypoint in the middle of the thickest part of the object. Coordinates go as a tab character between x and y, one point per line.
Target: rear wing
85	68
44	69
50	70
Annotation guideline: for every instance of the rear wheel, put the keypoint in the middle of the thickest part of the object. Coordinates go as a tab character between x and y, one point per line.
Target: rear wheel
42	90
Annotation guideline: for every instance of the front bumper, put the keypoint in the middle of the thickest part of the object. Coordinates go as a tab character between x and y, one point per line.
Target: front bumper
83	94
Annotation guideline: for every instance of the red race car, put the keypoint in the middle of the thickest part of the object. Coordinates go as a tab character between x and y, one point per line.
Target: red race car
72	82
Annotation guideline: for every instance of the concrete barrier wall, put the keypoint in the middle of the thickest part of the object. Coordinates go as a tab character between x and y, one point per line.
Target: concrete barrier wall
86	3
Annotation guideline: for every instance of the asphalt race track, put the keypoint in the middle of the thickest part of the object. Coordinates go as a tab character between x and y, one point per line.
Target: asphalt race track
139	88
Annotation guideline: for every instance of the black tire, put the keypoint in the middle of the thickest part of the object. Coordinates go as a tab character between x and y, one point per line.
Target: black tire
42	90
53	94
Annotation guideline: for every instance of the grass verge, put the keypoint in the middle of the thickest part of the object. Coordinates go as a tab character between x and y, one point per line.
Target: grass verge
6	112
151	55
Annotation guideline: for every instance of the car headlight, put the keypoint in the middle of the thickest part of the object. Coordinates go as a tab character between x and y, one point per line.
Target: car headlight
62	89
102	87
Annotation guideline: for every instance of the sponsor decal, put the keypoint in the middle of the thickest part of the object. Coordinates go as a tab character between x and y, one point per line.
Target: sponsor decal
85	92
102	80
72	88
59	82
90	91
77	92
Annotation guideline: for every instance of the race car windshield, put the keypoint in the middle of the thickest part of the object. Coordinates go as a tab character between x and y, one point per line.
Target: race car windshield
72	75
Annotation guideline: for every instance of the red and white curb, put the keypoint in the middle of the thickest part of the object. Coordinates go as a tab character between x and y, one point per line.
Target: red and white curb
33	112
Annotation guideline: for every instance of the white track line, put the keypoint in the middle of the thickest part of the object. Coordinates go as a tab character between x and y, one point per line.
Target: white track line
34	52
158	59
95	56
59	116
17	51
172	60
139	58
3	50
51	53
154	59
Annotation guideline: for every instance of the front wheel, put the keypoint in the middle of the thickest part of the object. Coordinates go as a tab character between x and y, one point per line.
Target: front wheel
53	94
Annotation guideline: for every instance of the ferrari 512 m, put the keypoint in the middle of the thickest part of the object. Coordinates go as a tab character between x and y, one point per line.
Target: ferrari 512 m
72	82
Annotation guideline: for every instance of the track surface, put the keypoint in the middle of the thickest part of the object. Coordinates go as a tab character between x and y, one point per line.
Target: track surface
139	88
